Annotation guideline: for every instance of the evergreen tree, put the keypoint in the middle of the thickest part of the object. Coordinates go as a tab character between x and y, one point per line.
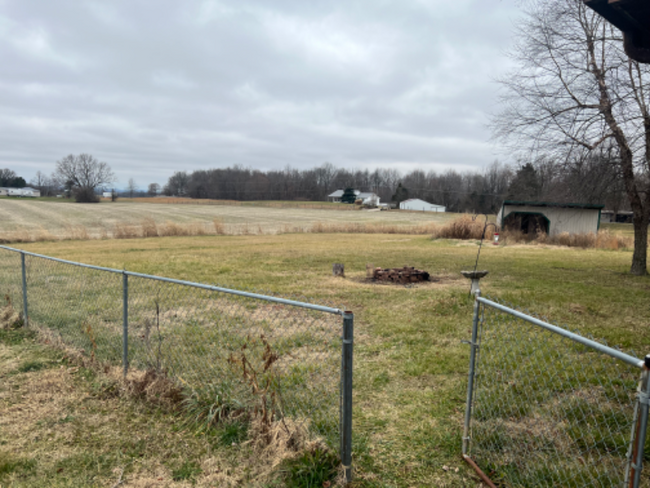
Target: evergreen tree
349	196
400	195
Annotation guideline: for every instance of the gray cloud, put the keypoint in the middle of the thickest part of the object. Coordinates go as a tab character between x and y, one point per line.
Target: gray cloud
154	87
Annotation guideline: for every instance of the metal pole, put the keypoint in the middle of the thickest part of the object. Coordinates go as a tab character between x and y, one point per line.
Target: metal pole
24	273
470	380
346	392
125	323
642	423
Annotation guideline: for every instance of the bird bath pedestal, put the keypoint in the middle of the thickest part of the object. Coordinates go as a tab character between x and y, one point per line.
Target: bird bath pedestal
475	276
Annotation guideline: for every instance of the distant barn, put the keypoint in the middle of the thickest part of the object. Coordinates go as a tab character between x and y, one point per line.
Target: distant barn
549	217
417	204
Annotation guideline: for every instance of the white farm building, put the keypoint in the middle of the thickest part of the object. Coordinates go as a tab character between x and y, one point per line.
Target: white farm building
20	192
367	198
421	205
551	218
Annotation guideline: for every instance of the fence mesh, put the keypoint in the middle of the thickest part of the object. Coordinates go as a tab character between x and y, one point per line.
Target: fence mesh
223	353
11	297
549	411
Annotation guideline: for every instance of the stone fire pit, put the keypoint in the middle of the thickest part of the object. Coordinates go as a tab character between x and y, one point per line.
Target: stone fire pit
405	275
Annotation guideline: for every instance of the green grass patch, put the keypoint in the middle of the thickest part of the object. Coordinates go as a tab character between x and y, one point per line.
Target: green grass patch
312	469
410	365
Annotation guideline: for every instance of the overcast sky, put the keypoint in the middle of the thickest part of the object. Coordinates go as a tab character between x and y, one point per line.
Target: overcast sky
152	87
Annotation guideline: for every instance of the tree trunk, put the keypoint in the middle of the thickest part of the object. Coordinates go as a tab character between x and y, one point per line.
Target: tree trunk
639	257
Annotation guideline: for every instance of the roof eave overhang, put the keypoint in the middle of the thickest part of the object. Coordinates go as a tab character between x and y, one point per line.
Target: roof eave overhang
632	17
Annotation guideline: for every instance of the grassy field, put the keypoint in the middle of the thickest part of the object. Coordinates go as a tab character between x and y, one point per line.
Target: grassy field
28	220
410	364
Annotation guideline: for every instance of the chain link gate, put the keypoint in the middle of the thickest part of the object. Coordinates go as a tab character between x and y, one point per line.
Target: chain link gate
547	407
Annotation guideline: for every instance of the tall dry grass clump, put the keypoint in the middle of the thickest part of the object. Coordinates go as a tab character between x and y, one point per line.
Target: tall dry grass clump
170	228
24	235
462	228
601	240
149	227
219	227
123	230
607	240
76	232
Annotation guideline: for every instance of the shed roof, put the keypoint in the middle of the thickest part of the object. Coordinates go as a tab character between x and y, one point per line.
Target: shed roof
339	193
420	200
589	206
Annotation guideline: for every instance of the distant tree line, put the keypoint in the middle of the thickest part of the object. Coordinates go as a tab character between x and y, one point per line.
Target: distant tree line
590	179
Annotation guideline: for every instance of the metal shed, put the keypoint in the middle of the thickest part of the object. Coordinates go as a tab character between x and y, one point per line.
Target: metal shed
417	204
550	217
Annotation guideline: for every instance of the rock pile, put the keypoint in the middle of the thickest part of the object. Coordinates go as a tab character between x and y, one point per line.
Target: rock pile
407	274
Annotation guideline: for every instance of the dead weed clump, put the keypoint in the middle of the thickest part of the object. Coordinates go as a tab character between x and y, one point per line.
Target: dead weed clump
219	227
276	440
153	386
123	230
462	228
170	228
76	232
9	318
149	227
24	235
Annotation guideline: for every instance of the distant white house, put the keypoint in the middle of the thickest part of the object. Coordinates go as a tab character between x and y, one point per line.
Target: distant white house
20	192
421	205
107	194
31	192
367	198
336	196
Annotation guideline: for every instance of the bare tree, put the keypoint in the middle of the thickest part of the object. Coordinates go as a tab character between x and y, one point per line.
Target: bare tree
43	183
132	187
153	189
577	90
84	174
177	184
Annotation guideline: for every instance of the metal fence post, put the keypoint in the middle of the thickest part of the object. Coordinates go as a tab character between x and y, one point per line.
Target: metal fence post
346	394
125	322
470	380
24	273
641	426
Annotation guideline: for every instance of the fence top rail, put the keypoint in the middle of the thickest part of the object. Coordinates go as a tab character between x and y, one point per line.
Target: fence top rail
257	296
615	353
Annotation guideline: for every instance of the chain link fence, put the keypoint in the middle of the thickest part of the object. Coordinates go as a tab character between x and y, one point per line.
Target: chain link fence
222	350
547	407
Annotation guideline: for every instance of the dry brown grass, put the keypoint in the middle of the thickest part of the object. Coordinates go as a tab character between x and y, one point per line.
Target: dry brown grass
149	227
371	228
9	318
462	228
236	203
219	228
465	228
24	235
602	240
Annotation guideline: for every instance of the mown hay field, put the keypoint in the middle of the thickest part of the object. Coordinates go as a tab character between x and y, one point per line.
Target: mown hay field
410	363
28	220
